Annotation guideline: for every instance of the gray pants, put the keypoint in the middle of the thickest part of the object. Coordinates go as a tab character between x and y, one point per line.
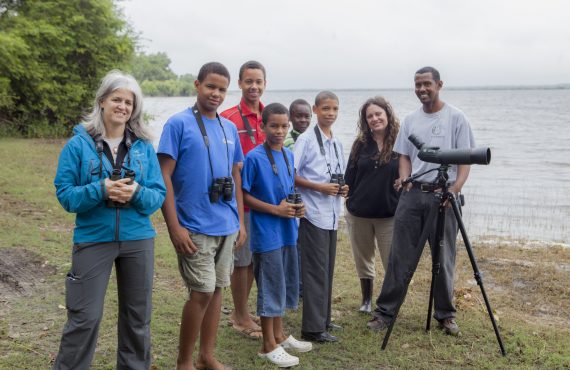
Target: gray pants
318	252
415	223
86	284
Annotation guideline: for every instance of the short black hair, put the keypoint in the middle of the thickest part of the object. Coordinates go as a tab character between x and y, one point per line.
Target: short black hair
213	67
323	95
299	102
434	72
273	108
252	64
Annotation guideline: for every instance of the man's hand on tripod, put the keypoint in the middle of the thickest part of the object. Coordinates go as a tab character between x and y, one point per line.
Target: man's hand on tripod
401	183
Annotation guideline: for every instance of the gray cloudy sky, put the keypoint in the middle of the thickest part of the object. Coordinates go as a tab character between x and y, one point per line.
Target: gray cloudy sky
363	43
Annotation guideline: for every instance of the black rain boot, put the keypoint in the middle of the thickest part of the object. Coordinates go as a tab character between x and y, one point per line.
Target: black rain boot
367	286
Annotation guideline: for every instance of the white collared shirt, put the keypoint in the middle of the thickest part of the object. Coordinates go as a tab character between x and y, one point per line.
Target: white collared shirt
321	210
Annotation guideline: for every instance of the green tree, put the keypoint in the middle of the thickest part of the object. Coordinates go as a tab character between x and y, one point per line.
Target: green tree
153	67
157	79
52	56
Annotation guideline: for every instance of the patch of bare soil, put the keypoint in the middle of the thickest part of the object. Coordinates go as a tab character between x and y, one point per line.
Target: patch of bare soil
531	284
21	271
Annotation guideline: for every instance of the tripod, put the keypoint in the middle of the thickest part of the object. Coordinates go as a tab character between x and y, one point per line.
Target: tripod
445	196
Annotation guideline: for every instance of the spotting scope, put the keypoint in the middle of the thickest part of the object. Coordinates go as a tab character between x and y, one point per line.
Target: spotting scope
433	154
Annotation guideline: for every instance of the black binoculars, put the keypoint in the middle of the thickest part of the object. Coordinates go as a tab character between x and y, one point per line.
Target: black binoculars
117	175
338	178
294	198
223	186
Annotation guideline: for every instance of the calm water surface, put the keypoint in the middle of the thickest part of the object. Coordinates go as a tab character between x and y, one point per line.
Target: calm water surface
522	195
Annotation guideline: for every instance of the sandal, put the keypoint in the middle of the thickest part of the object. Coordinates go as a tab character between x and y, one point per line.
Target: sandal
250	333
280	357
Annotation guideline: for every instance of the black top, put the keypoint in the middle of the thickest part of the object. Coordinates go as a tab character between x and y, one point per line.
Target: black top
371	184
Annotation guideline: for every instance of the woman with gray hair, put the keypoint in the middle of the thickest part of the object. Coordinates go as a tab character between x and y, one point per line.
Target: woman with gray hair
108	175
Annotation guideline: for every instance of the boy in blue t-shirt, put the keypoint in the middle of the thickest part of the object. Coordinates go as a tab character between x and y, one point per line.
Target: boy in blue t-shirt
268	183
200	157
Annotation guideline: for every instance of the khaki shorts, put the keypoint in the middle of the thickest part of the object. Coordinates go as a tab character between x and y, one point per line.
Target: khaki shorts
211	266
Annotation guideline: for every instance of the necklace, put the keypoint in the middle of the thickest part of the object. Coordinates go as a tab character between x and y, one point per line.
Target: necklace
115	149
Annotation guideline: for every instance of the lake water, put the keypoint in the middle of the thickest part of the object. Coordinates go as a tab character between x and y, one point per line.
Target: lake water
522	195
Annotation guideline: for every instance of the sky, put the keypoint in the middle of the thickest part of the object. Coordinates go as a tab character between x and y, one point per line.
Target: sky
356	44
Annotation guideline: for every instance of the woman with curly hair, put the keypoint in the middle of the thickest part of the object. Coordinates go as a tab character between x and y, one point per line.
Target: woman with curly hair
371	171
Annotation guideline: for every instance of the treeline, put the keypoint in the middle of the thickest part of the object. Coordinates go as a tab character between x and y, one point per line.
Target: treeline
157	79
53	55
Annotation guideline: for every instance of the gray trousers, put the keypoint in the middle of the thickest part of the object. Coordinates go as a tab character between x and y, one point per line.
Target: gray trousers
86	284
318	252
415	223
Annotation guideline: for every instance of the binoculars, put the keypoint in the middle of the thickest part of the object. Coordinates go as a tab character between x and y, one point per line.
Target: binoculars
117	175
338	178
223	186
294	198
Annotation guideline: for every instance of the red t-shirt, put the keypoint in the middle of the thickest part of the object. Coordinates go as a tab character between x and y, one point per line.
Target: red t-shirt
254	121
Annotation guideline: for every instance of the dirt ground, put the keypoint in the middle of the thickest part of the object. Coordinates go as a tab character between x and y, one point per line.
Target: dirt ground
21	271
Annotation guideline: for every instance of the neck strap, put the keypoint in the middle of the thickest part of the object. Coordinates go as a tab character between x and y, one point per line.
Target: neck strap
272	160
200	122
322	147
247	126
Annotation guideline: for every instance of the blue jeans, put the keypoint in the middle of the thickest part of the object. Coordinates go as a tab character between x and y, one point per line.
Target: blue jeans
277	276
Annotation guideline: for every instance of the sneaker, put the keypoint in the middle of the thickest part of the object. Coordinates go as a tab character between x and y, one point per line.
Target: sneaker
449	326
280	358
296	345
377	324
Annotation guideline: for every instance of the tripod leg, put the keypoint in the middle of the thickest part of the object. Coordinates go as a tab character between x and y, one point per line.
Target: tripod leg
393	321
477	273
436	264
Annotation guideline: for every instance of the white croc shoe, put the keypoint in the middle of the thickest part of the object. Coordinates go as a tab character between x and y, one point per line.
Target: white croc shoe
296	345
280	358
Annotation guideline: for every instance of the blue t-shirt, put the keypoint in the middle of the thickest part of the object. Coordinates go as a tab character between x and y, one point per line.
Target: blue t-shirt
182	140
269	232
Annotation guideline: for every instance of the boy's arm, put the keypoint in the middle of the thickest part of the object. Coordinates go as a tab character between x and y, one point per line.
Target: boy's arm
179	235
284	209
325	188
236	174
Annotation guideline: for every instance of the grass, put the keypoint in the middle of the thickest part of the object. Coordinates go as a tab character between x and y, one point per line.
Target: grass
527	287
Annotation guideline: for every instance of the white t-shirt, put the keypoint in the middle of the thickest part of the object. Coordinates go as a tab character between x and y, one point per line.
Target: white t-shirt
446	129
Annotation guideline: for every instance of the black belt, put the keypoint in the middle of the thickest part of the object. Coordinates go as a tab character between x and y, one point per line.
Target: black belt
426	187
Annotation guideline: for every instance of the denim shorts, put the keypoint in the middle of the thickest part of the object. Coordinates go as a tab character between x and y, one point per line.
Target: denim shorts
242	256
277	276
211	266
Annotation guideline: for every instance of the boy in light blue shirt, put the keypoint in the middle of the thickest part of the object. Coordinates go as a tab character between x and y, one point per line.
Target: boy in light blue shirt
319	161
268	184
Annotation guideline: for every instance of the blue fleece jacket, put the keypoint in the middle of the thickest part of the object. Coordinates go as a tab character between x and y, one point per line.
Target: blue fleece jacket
80	189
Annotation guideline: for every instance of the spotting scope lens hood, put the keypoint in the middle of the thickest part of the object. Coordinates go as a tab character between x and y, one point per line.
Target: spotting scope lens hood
451	156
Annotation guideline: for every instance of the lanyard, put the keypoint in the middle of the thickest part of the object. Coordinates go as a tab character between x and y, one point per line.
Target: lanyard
274	165
118	163
247	126
320	140
200	123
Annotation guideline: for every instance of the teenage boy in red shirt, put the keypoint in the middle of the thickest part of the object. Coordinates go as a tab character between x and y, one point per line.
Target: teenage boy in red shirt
247	118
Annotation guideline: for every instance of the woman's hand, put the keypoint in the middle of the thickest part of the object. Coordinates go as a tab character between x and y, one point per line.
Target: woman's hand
120	191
